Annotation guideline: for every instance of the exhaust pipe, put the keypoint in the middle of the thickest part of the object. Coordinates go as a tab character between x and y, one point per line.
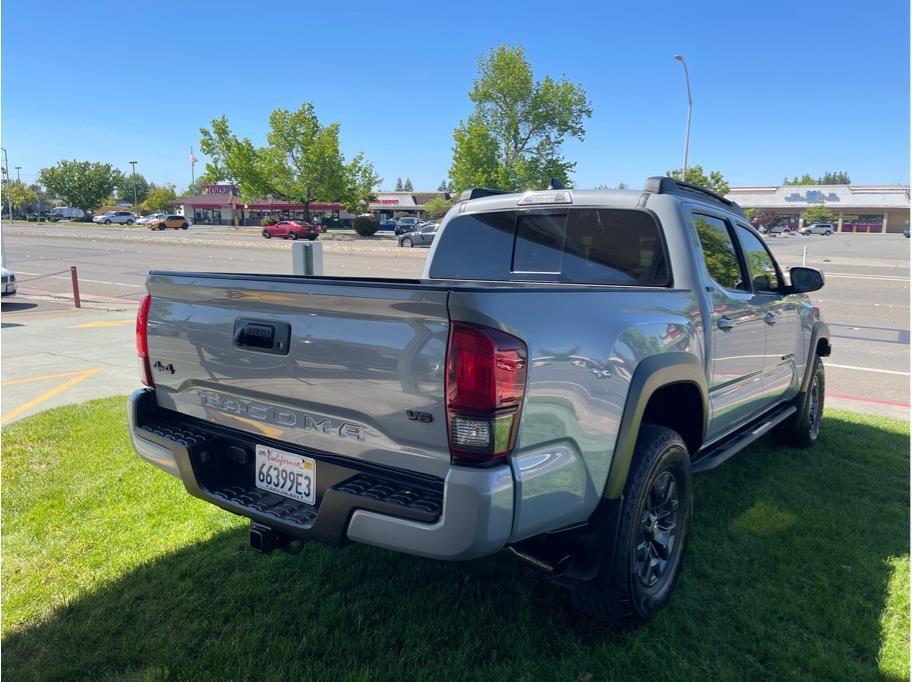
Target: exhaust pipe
264	539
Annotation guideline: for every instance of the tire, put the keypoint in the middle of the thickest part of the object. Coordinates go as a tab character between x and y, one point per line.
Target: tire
631	589
293	236
107	222
803	428
129	222
407	243
161	226
313	237
266	235
185	226
827	233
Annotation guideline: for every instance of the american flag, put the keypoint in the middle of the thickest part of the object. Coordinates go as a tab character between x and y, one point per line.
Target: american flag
192	157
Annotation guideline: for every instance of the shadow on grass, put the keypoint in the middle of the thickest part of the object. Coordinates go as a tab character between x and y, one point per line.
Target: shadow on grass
786	576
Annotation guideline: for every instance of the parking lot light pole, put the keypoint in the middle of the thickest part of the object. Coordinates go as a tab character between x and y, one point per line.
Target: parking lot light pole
133	163
9	203
18	168
680	58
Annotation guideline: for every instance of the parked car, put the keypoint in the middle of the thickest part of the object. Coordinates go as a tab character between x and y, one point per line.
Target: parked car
906	233
568	361
778	231
388	224
826	229
406	224
65	213
172	221
146	219
320	223
8	284
119	217
422	236
291	229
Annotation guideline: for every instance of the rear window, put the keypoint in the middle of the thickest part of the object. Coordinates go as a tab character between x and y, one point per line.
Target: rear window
578	246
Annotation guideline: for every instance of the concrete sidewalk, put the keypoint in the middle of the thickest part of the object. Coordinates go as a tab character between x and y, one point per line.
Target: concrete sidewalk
53	354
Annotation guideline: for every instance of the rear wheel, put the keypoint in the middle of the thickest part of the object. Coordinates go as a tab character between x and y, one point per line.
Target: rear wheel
107	222
652	535
185	226
129	222
803	428
161	226
266	235
407	243
292	235
313	237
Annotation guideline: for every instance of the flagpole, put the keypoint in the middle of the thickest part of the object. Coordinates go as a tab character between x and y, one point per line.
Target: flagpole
192	167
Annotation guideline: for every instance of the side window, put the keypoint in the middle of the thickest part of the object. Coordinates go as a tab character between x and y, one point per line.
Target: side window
763	271
719	252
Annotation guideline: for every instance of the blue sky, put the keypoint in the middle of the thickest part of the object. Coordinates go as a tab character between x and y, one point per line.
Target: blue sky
779	88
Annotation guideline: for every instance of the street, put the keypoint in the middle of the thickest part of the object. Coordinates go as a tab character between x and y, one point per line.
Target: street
54	354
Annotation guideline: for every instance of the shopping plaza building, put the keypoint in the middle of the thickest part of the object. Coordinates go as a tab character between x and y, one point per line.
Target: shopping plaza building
856	208
221	204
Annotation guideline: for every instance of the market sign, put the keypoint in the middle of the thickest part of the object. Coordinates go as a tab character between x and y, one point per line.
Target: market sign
812	196
219	189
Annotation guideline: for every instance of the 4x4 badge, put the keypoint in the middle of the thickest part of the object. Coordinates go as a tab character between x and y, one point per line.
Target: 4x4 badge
159	367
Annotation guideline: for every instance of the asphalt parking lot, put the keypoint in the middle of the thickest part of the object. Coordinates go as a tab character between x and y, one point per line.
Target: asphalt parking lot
54	354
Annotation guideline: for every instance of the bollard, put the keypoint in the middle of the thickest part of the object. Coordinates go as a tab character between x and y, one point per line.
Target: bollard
307	258
75	280
804	256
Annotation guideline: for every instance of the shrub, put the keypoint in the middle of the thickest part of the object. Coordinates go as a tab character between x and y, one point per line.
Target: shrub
266	222
365	226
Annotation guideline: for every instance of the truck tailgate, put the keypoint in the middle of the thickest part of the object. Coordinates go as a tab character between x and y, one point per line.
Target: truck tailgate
361	374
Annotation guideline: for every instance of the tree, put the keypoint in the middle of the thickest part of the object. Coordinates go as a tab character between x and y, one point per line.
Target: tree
19	194
805	179
768	218
437	207
513	137
158	199
301	162
695	176
835	178
407	186
750	213
398	185
444	186
82	184
818	214
125	191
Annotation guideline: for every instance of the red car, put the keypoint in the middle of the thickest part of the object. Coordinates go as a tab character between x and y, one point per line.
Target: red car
291	229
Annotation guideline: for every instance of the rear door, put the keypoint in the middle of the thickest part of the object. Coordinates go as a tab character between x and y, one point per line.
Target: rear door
738	331
359	371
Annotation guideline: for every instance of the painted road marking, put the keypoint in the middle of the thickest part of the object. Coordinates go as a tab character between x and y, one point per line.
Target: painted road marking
868	369
104	323
76	377
83	279
848	275
873	401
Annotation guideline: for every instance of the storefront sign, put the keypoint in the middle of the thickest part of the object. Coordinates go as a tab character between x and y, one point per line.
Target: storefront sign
219	189
812	196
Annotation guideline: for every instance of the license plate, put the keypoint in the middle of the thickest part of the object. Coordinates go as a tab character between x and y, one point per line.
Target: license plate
285	473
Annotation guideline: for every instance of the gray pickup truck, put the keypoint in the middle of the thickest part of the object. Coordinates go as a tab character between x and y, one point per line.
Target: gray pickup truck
565	364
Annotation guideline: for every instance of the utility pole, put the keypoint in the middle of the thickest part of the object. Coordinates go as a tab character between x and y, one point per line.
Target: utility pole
133	163
9	204
18	168
680	58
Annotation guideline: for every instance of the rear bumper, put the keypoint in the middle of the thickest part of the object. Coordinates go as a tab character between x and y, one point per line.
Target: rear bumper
465	516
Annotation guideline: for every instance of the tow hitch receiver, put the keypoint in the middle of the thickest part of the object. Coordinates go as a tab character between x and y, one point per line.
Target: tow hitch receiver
265	539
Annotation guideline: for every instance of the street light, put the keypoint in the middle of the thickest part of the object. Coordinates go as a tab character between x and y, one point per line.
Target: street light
18	168
133	163
680	58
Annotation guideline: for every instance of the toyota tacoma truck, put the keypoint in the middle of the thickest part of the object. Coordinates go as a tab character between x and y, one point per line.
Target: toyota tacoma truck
567	361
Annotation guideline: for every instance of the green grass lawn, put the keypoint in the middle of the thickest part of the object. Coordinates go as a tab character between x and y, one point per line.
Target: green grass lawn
798	567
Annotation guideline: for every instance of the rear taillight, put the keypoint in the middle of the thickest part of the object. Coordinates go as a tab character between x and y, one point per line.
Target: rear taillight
485	385
142	342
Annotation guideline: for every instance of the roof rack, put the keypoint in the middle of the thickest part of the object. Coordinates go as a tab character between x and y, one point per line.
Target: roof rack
665	185
479	192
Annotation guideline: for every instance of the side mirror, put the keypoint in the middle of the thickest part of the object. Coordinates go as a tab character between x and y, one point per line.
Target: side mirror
805	280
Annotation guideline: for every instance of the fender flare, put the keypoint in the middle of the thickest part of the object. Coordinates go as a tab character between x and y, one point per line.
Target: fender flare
653	373
819	331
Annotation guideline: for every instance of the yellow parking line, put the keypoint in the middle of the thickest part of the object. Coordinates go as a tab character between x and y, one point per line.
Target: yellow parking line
47	395
104	323
43	377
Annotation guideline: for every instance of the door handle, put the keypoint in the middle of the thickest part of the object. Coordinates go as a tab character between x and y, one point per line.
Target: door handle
265	337
770	318
726	324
